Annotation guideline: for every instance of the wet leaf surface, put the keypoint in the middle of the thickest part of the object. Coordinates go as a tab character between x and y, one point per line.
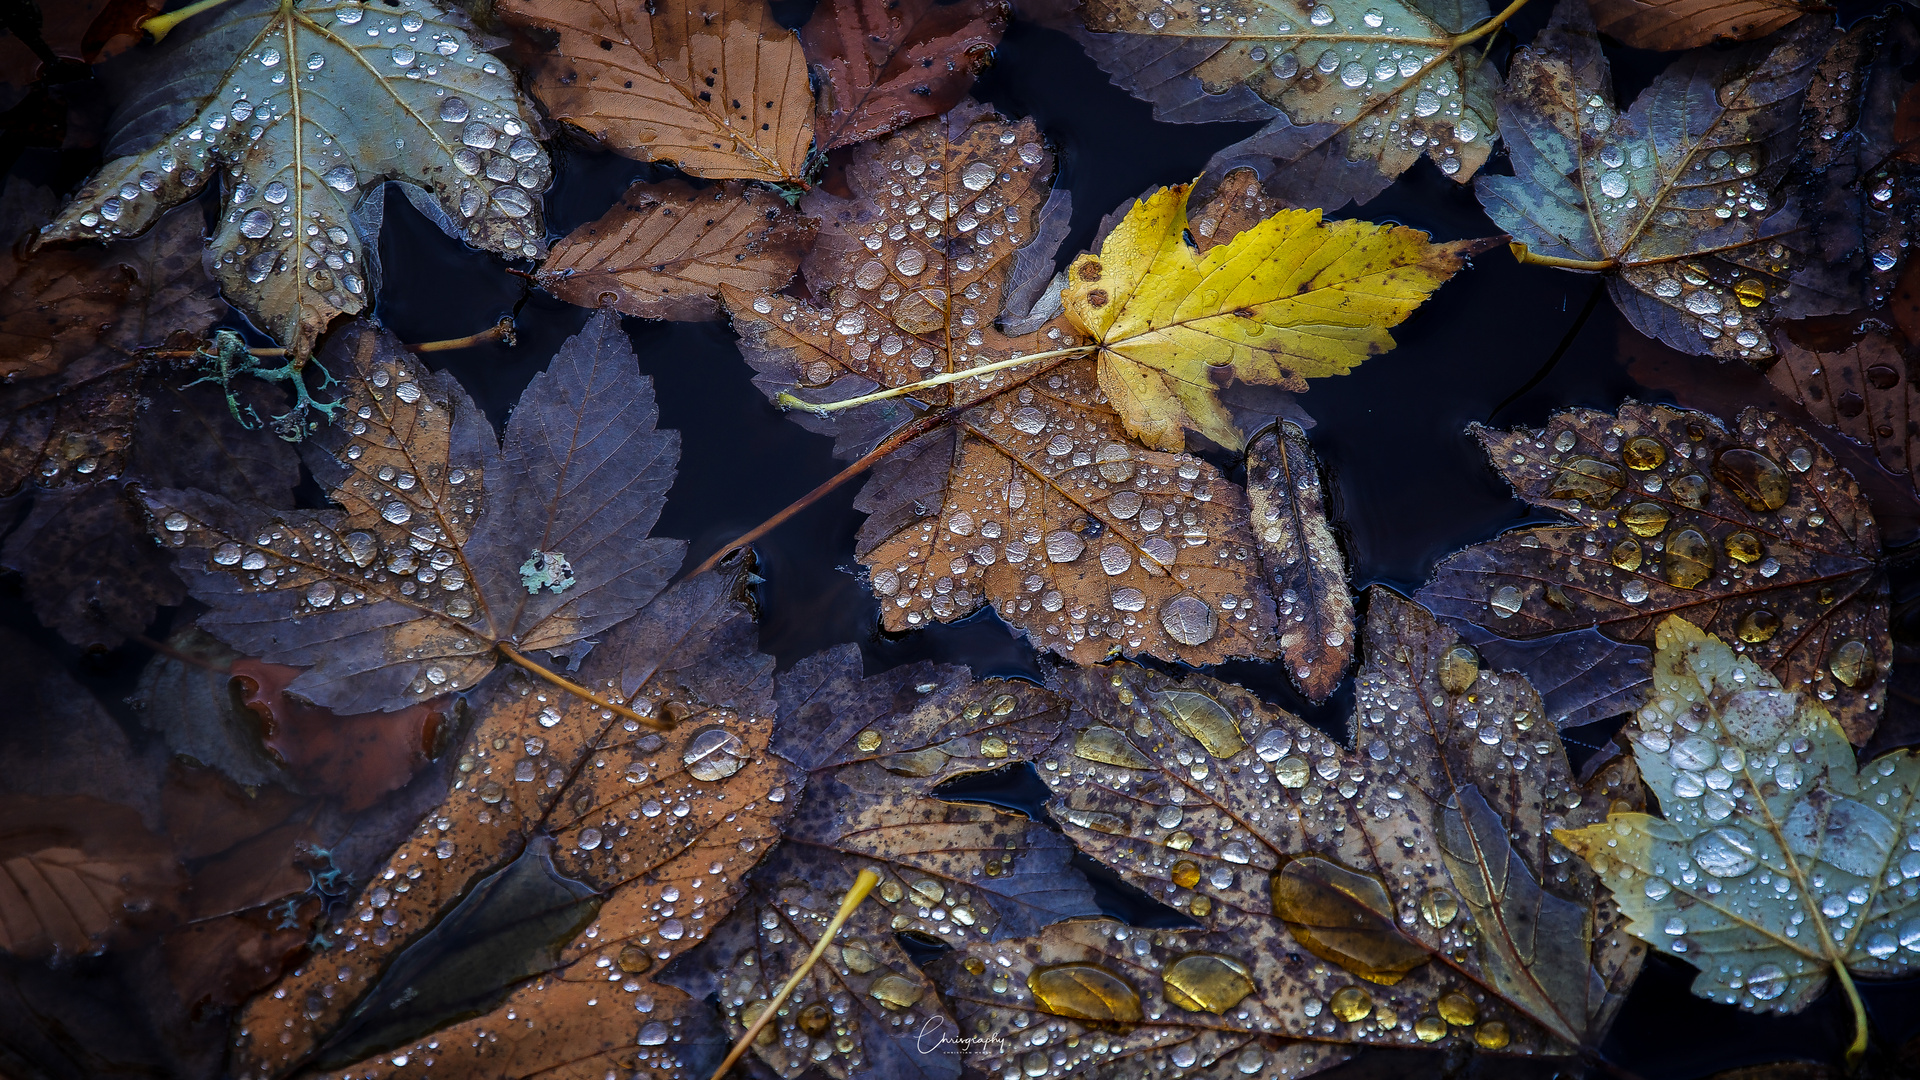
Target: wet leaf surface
623	846
887	63
1305	569
1582	675
446	542
1860	388
667	249
337	116
1760	536
1681	198
718	89
1685	24
1776	858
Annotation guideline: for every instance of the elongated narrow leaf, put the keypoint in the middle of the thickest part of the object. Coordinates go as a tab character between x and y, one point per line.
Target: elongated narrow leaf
1305	569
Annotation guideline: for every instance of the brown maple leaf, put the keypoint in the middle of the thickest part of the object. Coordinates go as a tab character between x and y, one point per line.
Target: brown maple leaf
887	63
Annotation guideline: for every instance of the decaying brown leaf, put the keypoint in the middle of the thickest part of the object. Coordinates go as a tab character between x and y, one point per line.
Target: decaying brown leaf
950	872
1406	892
74	871
887	63
718	87
626	845
665	250
356	759
1858	387
1751	531
1684	24
1305	570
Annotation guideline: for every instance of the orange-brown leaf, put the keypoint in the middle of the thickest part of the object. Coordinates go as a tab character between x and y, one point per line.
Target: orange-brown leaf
75	872
887	63
1684	24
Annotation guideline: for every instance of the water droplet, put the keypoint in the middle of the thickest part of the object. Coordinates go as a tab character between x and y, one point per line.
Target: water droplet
1425	103
1725	852
1290	772
227	554
1207	982
1204	720
1458	1009
402	55
1492	1035
1272	744
1109	747
1613	185
1345	918
1353	73
1506	601
977	176
1350	1004
1285	66
1852	664
1188	620
1643	453
1753	478
1085	992
1320	15
1689	559
397	512
1626	554
714	753
342	178
512	202
1458	669
321	593
256	224
1438	908
1589	480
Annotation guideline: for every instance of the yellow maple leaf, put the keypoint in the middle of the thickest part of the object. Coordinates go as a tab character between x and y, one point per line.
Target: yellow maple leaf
1290	299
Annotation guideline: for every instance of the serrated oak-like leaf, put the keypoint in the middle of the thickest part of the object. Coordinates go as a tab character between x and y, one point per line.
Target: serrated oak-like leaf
447	542
665	250
886	63
1671	25
304	110
1289	299
1681	198
651	835
1369	82
1778	858
1753	531
1323	879
1305	570
717	87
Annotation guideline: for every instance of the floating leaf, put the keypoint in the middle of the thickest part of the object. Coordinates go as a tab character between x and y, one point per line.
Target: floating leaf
74	871
1777	860
1281	844
1754	531
1305	570
886	63
1685	24
717	88
336	115
626	846
665	250
411	589
1681	199
1288	299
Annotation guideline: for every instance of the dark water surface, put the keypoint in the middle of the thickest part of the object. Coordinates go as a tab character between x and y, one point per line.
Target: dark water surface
1501	343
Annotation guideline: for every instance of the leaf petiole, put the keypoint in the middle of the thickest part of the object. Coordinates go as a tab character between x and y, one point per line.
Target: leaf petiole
159	26
788	401
1488	27
861	887
1523	255
576	689
1858	1049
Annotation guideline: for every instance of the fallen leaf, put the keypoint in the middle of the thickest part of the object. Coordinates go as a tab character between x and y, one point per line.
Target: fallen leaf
1672	25
447	544
949	872
1754	531
1582	676
1795	856
185	695
1860	389
717	88
886	63
75	872
1288	299
1282	845
665	250
356	759
1641	195
1305	571
1409	81
627	845
336	117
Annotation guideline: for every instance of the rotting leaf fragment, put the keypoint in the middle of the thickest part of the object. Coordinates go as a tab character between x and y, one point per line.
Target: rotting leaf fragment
1305	569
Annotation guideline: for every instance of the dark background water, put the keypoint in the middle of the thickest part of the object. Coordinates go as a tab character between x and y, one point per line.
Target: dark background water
1501	343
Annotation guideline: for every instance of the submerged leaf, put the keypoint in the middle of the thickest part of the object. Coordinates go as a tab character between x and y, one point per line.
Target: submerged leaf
1682	199
308	112
666	250
1777	859
1305	570
74	871
407	591
625	847
1755	532
718	88
1684	24
887	63
1288	299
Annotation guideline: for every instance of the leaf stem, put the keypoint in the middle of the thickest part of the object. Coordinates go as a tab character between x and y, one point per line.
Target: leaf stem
159	26
500	331
887	446
576	689
1858	1049
1488	27
788	401
1523	255
861	887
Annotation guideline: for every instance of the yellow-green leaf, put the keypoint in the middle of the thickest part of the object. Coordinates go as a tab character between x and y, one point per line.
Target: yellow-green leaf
1291	299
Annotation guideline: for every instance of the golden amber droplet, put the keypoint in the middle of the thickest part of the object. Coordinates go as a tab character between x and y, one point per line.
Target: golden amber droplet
1207	982
751	1015
1345	918
814	1019
1757	626
1003	704
993	746
857	958
869	741
1750	292
1458	669
1492	1035
1430	1028
891	892
1186	874
1690	490
974	965
634	960
1085	992
1439	907
1204	720
1626	554
1689	559
1646	519
1200	906
1458	1009
1180	841
1753	478
1852	664
896	991
1644	453
1591	481
1557	598
916	762
1109	747
1743	547
1350	1004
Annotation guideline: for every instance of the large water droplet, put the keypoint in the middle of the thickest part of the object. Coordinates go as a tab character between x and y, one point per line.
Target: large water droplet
714	753
1753	478
1207	982
1085	992
1345	918
1109	747
1187	619
1204	720
256	224
1725	852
